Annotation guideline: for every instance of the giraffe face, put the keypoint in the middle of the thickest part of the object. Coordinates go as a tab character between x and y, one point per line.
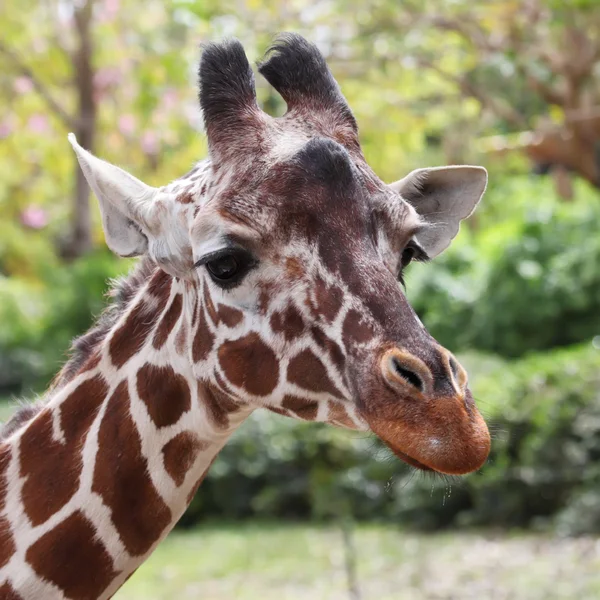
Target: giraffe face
295	249
302	269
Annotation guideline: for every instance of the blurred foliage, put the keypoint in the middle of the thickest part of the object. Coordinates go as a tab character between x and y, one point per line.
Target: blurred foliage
528	281
40	317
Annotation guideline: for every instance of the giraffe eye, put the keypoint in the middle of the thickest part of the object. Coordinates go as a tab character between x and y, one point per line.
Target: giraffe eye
228	267
412	251
223	268
407	255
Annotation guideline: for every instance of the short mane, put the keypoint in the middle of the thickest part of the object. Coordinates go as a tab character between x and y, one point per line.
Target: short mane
122	291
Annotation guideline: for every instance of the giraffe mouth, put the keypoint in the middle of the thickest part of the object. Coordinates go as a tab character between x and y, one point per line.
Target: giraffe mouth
409	460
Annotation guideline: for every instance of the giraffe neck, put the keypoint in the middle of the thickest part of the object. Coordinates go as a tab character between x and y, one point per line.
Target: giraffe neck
108	466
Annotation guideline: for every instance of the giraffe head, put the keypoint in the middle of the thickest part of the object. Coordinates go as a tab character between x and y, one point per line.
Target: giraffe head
294	249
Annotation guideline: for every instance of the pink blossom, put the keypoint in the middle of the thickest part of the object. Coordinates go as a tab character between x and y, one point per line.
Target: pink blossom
106	78
111	8
170	99
23	85
6	128
34	217
38	123
149	142
127	124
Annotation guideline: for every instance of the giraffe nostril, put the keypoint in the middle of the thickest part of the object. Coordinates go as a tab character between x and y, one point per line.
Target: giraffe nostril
406	374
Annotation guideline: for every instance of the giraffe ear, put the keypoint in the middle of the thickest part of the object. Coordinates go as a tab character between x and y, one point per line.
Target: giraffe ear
126	203
443	197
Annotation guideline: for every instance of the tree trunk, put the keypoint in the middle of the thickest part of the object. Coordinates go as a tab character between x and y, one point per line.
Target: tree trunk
80	240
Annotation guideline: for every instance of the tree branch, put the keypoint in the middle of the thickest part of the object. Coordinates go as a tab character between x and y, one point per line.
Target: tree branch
39	86
469	89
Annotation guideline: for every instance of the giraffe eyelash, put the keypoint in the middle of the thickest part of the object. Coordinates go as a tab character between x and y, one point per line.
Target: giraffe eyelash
418	254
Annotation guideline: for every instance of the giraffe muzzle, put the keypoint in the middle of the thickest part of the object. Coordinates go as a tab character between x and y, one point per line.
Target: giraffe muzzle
426	414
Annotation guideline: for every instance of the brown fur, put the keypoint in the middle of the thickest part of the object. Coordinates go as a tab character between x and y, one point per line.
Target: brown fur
7	542
7	592
203	340
43	492
165	393
308	372
122	480
356	329
338	415
289	322
218	404
230	316
24	414
179	454
303	409
336	354
327	300
250	355
70	557
167	323
5	456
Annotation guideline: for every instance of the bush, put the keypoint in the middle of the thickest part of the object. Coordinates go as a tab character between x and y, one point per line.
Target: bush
537	289
546	411
40	317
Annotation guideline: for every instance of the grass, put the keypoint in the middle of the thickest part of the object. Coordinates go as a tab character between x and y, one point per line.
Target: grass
293	562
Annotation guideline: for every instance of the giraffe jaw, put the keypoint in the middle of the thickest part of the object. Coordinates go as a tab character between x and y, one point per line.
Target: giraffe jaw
409	460
441	435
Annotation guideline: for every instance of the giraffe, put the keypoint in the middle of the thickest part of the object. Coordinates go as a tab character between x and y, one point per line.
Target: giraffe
268	278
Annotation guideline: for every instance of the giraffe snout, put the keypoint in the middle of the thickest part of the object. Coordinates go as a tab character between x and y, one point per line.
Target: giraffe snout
423	410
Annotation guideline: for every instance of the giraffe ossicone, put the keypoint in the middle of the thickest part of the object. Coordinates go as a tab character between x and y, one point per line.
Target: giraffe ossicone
268	278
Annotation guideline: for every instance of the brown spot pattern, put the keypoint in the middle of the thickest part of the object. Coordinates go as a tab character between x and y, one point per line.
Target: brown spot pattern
250	364
305	409
335	352
42	457
72	558
199	482
218	404
327	300
159	285
230	316
181	338
308	372
7	592
165	393
289	323
294	268
129	338
7	543
5	455
179	454
203	340
122	480
92	362
356	329
338	415
168	322
186	198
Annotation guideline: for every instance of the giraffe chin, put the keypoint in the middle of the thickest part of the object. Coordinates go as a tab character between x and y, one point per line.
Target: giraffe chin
453	447
409	460
444	468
